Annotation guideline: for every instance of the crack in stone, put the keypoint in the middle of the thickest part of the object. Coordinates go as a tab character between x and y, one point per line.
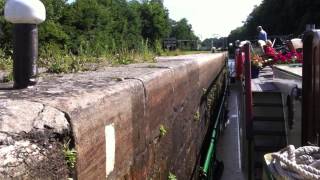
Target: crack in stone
155	67
39	114
48	150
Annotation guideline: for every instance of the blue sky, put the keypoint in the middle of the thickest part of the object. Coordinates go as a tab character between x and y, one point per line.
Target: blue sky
211	17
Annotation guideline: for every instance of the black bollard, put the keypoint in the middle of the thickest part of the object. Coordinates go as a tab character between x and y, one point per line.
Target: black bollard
25	54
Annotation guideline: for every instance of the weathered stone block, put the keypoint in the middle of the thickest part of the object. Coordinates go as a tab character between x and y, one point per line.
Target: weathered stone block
135	101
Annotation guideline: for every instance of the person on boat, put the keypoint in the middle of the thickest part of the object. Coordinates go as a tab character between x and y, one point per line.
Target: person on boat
269	51
262	35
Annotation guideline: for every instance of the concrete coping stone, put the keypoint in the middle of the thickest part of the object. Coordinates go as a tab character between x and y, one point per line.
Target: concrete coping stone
66	102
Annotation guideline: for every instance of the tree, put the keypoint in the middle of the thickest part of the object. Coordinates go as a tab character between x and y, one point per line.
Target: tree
154	21
52	35
5	31
216	42
97	27
182	30
279	17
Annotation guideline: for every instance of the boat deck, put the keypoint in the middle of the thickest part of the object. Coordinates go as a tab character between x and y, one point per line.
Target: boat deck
230	145
228	149
264	83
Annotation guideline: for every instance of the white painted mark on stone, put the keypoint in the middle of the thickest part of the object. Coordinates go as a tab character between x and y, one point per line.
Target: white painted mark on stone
110	148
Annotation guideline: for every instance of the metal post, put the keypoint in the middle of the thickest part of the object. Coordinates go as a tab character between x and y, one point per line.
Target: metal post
248	93
25	53
25	15
310	125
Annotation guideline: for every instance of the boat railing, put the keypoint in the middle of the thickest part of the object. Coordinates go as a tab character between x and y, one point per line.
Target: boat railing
210	167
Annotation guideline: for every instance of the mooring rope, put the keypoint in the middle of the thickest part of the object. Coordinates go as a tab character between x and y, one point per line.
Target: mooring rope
301	163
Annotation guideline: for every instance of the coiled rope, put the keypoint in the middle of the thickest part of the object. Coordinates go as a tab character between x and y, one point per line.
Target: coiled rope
301	163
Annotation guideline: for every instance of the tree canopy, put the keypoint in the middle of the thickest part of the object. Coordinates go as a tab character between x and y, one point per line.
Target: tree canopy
95	27
182	30
279	17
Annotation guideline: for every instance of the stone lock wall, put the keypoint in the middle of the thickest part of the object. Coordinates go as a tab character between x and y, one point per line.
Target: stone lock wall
139	121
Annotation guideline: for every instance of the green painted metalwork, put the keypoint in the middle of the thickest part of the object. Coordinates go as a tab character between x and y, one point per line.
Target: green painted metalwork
210	164
212	148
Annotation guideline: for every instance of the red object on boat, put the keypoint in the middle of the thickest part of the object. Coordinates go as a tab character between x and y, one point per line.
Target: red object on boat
239	63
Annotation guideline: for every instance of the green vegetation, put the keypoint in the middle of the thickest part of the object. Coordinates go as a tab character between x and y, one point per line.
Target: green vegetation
204	90
196	116
182	30
215	42
211	97
8	77
105	32
6	61
172	176
163	130
279	17
70	155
